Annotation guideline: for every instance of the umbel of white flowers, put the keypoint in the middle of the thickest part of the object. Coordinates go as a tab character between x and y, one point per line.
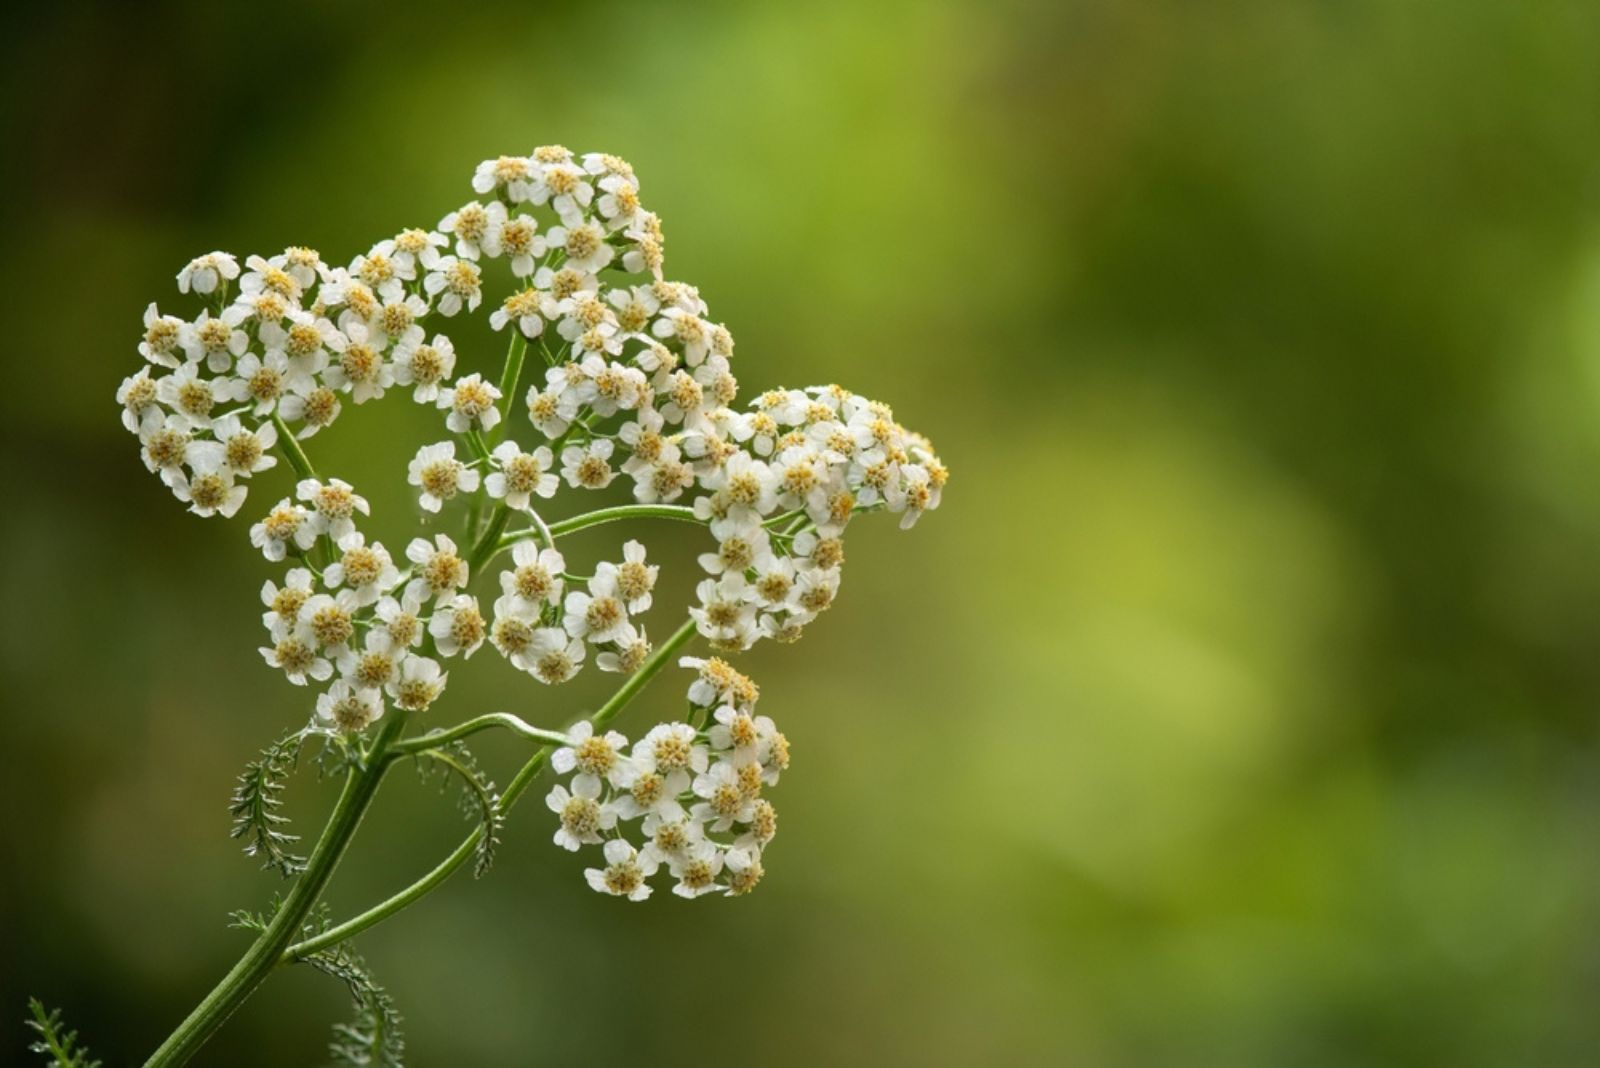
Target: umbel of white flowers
636	384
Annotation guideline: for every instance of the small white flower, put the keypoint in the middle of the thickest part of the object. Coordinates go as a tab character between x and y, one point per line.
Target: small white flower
204	273
555	658
633	579
400	619
514	630
209	489
596	615
137	395
458	626
163	335
521	308
582	815
245	452
334	504
628	651
348	708
472	404
513	174
330	619
457	283
367	570
284	603
625	872
584	243
376	665
476	228
726	801
521	243
287	524
536	578
440	475
588	466
269	276
419	684
425	366
521	475
294	652
594	756
439	570
551	410
360	369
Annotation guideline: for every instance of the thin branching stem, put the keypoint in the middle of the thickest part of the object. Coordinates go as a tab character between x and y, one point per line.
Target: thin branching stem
436	738
519	783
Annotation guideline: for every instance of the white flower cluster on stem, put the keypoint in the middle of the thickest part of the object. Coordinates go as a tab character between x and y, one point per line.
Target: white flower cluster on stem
634	386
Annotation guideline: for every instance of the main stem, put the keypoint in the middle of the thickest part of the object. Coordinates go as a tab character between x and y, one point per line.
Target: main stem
266	951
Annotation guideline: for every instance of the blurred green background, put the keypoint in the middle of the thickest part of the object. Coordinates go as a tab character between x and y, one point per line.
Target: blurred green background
1239	705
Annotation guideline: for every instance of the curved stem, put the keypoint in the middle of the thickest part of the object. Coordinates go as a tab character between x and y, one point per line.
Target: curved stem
266	952
575	523
291	448
514	789
473	726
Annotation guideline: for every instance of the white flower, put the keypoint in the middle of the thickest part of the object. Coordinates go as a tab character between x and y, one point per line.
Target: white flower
137	395
209	489
582	815
535	580
522	308
294	652
330	619
514	630
317	408
439	571
726	613
476	228
193	398
401	625
457	283
594	756
521	243
245	452
440	475
287	524
305	342
697	869
368	570
419	684
348	708
361	369
163	335
567	190
725	800
284	603
334	505
458	626
588	466
514	174
629	649
396	322
377	665
555	658
425	366
625	873
521	475
268	276
204	273
551	410
268	378
633	579
584	242
214	341
472	404
597	615
619	202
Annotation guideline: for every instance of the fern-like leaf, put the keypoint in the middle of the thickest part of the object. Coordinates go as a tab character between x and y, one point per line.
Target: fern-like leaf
479	800
374	1037
59	1045
255	804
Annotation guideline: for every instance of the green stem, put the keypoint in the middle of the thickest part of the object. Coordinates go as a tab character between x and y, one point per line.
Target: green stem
266	952
437	738
489	544
518	784
291	448
599	516
509	376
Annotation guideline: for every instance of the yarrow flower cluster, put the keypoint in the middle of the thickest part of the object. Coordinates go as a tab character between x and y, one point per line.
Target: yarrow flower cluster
692	788
634	388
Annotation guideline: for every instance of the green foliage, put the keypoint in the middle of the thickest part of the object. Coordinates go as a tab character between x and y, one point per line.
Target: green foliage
479	800
255	805
60	1046
374	1036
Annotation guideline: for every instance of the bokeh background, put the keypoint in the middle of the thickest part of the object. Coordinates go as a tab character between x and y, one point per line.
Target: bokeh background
1238	707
